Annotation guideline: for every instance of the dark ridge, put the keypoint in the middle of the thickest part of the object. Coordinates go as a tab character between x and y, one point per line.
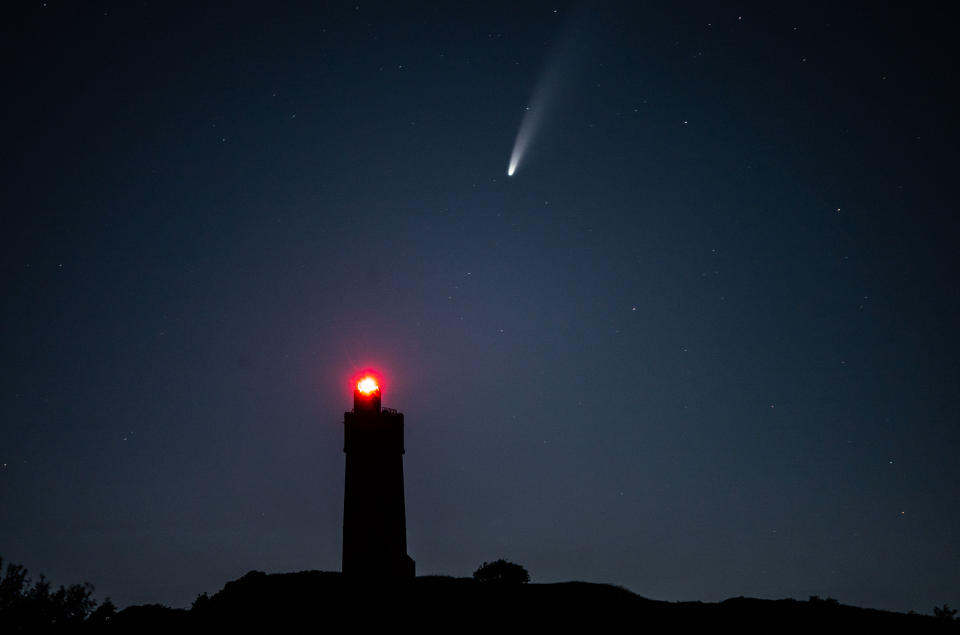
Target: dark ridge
318	600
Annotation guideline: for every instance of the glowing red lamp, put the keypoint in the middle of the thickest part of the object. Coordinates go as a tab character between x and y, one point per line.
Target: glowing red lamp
368	385
366	396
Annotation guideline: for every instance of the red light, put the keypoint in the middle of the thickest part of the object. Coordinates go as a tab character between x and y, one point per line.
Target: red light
368	385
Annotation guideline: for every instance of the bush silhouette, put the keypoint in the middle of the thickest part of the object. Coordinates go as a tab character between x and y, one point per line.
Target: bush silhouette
501	571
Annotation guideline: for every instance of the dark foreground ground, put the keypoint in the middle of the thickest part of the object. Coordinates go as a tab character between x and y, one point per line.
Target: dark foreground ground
316	601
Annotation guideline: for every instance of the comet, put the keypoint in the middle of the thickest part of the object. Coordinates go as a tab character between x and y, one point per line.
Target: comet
559	68
533	118
528	125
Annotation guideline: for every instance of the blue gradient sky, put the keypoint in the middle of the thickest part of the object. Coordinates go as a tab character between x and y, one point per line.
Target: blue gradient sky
702	345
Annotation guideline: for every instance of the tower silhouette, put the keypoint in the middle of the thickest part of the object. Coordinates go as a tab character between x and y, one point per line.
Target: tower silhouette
374	515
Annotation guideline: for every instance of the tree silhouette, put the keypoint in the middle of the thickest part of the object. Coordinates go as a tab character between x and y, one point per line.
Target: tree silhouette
944	612
102	614
27	606
501	571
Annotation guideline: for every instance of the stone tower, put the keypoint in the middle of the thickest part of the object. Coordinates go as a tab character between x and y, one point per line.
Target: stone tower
374	515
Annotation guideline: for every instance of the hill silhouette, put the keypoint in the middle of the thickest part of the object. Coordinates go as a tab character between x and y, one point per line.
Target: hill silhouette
325	600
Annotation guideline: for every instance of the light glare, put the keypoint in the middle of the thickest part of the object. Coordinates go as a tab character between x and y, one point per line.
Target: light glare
367	385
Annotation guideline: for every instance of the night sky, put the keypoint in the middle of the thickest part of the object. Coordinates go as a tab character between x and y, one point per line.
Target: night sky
702	344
